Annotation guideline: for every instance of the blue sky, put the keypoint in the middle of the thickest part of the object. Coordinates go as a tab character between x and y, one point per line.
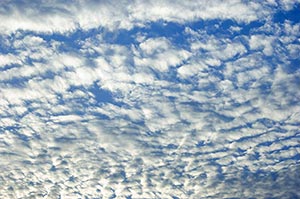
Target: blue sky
149	99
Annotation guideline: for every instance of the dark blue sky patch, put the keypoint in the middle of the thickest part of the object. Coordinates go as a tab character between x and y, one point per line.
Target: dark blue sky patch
173	31
248	29
217	27
293	67
16	82
292	15
6	44
225	28
170	30
101	95
9	66
48	75
122	37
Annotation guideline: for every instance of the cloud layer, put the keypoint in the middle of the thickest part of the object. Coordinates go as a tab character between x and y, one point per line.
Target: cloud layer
143	99
51	16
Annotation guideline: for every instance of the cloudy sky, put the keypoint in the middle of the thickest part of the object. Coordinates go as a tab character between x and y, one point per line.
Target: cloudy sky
149	99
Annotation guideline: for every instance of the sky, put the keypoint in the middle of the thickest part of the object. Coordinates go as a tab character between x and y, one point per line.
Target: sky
149	99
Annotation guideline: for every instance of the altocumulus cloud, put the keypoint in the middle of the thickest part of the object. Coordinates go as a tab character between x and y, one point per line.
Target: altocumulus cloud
149	99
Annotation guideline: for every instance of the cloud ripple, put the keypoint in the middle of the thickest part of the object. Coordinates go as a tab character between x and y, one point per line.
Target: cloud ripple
212	115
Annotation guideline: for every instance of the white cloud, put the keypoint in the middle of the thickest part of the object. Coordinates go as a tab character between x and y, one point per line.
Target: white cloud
263	42
54	16
8	59
188	70
66	118
288	4
159	54
183	121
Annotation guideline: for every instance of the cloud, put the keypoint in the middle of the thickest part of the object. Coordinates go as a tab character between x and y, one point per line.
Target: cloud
208	116
53	16
263	42
159	54
9	59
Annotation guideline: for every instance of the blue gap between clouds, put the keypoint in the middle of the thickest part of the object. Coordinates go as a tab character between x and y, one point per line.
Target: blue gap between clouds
291	15
176	31
293	67
6	44
101	95
173	31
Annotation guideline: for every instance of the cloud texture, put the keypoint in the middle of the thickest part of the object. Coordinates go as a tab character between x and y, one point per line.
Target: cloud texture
149	99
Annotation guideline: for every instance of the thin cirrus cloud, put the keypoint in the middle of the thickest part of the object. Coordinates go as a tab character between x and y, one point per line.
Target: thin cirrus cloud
148	99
